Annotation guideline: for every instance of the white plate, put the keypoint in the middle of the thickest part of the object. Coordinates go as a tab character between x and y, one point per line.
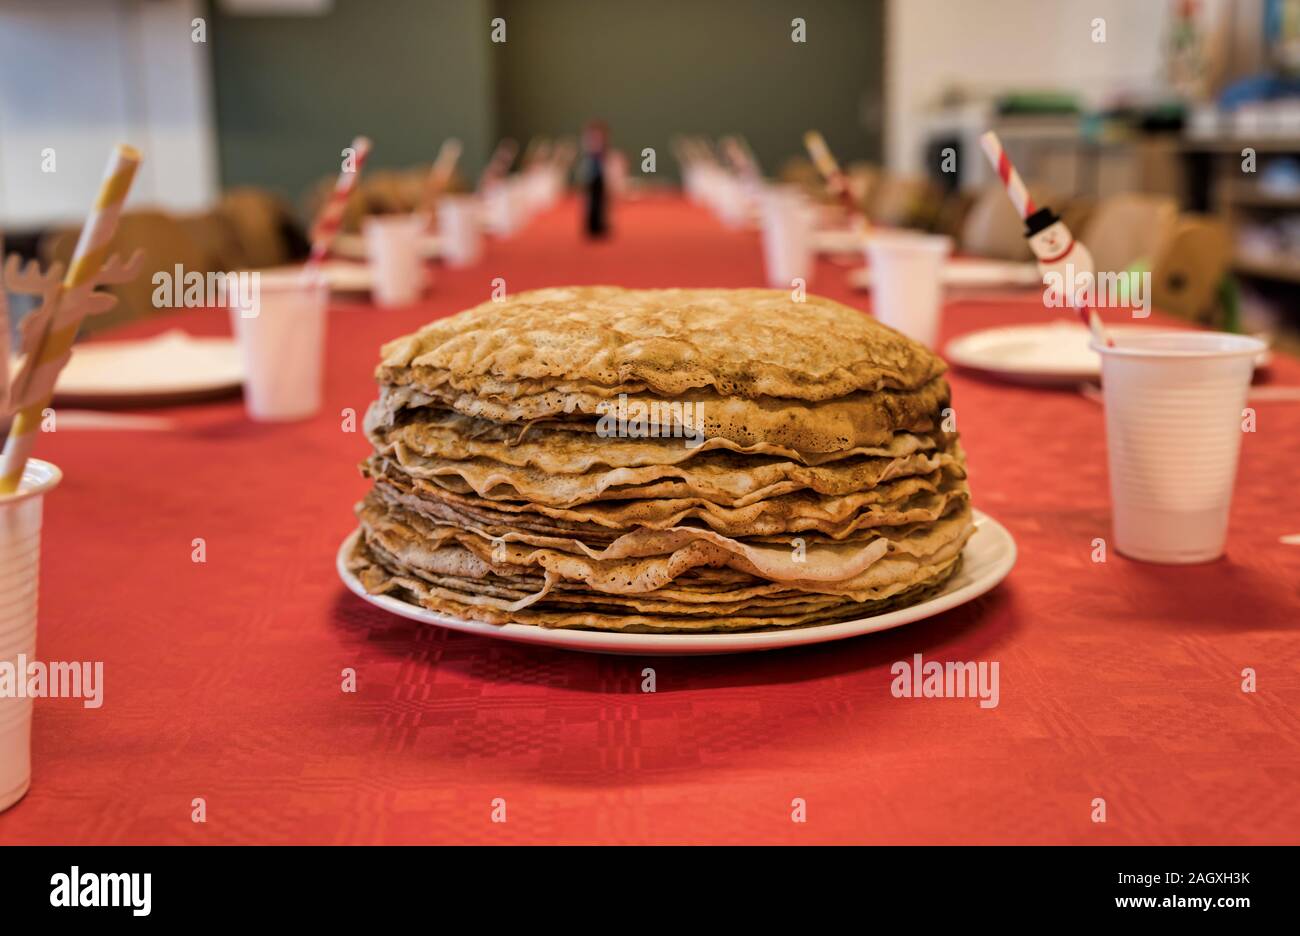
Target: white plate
838	241
973	273
343	276
353	247
988	557
1055	353
172	365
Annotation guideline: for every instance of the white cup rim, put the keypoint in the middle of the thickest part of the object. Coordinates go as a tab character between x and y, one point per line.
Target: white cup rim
379	222
293	278
39	477
1195	344
909	240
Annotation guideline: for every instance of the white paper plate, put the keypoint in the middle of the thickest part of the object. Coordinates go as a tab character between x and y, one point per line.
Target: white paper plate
1055	353
353	247
989	556
973	273
173	365
343	276
838	241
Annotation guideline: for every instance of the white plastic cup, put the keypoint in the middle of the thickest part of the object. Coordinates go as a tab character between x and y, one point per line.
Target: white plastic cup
540	188
907	281
20	554
693	183
393	249
616	173
730	201
458	226
1174	404
711	183
281	340
501	208
787	236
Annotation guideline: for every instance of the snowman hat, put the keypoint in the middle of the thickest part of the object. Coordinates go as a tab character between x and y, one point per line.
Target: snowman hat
1040	220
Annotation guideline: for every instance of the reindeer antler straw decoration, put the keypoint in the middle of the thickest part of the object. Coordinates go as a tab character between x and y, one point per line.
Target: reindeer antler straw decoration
48	332
837	183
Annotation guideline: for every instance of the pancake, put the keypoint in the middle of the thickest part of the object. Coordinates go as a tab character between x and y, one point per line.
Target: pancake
751	343
722	478
646	560
437	433
660	461
861	419
600	616
903	500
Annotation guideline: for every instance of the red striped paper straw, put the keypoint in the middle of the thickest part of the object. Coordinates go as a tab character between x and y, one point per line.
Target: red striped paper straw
330	218
825	162
1011	180
1024	205
1090	318
439	180
836	181
499	163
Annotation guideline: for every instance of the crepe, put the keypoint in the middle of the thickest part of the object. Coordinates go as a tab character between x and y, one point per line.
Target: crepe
646	560
903	500
860	419
660	460
595	615
543	445
751	343
722	478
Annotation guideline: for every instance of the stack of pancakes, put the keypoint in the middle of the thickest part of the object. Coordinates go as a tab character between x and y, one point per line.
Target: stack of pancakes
660	460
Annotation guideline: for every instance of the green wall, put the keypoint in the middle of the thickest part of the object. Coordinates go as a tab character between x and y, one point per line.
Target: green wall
292	91
654	68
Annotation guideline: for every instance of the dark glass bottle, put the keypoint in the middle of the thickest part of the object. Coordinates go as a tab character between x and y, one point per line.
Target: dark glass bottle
594	189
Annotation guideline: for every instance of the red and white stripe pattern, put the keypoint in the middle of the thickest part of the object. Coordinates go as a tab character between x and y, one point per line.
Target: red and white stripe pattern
330	218
1011	180
1025	206
444	165
837	183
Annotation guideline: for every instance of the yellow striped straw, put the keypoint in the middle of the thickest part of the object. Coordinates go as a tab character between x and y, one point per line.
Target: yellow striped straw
87	259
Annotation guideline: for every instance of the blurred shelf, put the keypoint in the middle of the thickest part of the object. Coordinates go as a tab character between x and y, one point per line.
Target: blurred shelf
1263	143
1283	269
1256	196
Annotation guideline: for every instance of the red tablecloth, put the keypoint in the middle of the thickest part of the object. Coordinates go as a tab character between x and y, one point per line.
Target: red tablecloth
222	679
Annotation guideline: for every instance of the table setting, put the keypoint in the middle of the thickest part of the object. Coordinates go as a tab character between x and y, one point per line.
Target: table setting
606	528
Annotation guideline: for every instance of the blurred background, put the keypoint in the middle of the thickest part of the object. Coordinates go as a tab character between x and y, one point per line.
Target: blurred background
1167	132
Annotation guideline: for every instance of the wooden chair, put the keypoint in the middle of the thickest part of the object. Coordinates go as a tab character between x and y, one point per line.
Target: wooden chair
953	212
862	179
904	201
1186	273
352	213
800	171
993	229
165	244
1076	211
1129	229
383	192
215	234
264	225
414	188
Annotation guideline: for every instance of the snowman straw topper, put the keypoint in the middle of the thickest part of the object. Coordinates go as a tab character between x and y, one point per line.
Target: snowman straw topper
1051	241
